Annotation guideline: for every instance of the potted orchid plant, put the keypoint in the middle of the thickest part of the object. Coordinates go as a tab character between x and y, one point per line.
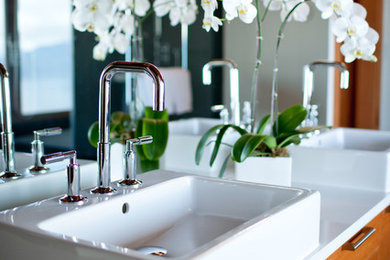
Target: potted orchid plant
349	27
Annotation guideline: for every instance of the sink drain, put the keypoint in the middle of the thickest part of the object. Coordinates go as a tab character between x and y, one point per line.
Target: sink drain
152	250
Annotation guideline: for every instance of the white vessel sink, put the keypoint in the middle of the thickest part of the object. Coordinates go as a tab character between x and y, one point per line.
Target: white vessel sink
184	136
190	216
32	188
344	157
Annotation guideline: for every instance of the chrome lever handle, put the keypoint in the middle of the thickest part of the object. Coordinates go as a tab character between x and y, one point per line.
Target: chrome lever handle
38	149
129	158
73	175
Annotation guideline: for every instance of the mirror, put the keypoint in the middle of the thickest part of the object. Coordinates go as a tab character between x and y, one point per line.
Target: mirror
303	43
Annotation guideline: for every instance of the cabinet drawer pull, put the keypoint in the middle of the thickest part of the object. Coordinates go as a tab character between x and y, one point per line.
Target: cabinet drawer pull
367	231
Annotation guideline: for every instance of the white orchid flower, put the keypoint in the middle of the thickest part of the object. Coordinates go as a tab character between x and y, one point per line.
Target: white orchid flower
353	27
275	5
329	7
189	15
140	6
359	10
211	22
126	24
209	6
92	16
244	9
120	42
162	7
300	14
103	47
360	48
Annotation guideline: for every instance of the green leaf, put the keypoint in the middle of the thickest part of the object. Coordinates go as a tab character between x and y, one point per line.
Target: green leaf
245	145
159	130
289	138
93	134
223	167
203	141
262	124
290	119
138	132
217	144
270	142
150	113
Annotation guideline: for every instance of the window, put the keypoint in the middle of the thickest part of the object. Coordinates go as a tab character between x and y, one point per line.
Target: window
2	33
46	56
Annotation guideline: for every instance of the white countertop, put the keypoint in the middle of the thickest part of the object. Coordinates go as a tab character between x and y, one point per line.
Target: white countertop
344	212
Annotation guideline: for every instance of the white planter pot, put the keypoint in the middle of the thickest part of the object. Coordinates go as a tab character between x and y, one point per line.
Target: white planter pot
267	170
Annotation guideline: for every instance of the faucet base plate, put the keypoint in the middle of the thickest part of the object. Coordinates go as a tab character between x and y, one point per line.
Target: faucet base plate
103	190
133	183
10	175
38	169
79	200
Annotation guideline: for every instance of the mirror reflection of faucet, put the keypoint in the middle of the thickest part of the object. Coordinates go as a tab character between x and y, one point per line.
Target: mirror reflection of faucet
103	145
38	149
234	85
308	82
7	136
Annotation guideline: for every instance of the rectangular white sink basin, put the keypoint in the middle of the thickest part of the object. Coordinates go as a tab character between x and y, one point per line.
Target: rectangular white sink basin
31	188
344	157
192	217
184	136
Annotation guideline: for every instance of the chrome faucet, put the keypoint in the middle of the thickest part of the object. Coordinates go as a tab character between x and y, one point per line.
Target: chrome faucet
38	149
129	161
308	75
234	83
103	145
7	136
73	175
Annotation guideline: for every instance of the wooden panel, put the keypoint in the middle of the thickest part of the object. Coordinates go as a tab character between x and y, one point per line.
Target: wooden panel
385	243
369	250
359	106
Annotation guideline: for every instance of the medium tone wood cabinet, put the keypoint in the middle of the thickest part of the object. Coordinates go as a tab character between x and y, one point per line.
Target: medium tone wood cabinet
371	243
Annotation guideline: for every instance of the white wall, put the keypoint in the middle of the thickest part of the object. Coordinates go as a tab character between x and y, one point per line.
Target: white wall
302	44
384	119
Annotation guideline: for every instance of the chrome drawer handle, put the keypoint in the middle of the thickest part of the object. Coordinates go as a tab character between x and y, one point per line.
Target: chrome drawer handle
354	246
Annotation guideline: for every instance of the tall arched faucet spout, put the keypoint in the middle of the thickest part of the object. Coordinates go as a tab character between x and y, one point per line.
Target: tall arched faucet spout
7	136
308	81
234	84
103	145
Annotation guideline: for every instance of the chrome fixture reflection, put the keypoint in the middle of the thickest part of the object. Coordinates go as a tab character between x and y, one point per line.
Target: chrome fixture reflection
103	145
7	136
38	149
308	76
234	83
73	175
129	169
223	113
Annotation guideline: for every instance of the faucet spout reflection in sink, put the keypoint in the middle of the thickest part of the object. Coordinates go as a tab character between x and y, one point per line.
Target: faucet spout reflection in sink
7	136
103	145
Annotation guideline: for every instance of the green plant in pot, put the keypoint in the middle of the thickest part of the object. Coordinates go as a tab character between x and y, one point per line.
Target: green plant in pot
154	123
285	131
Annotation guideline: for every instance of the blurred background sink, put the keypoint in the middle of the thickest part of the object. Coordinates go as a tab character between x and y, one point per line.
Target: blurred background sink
344	157
184	136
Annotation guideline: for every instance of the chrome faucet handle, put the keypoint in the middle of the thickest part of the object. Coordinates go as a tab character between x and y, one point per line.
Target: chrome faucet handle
38	149
73	175
129	160
223	113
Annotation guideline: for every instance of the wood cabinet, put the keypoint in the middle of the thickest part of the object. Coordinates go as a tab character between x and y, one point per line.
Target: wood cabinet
368	244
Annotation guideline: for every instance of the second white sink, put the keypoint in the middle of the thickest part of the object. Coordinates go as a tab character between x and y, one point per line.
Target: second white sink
344	157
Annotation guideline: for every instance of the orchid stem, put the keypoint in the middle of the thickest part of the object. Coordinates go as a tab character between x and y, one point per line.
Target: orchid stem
275	89
255	76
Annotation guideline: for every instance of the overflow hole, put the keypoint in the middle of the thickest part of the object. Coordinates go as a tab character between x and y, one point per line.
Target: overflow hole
125	208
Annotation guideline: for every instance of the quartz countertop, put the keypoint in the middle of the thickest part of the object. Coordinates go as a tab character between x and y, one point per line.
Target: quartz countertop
344	212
